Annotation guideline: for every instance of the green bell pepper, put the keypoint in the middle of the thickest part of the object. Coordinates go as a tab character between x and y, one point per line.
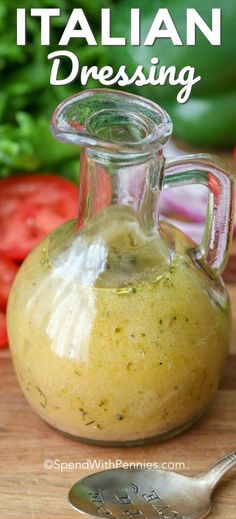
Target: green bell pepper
209	121
208	118
215	64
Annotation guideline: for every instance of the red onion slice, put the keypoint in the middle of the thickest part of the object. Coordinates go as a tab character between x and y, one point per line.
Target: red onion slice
188	201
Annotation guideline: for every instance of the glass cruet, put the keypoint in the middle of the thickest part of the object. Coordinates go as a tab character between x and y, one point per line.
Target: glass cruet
118	323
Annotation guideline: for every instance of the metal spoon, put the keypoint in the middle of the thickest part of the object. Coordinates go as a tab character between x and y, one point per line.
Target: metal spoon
149	493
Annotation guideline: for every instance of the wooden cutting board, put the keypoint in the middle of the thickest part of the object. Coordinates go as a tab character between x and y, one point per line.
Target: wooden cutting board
28	490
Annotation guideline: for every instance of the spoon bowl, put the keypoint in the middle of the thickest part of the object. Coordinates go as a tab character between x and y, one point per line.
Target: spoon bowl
148	493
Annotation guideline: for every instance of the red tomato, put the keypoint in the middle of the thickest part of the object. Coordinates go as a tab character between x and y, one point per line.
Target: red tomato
8	270
31	206
3	330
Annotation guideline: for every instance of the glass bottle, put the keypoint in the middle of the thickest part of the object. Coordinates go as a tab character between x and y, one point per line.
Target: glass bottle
118	323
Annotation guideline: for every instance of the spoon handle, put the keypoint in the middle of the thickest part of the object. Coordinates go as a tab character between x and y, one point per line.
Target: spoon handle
215	473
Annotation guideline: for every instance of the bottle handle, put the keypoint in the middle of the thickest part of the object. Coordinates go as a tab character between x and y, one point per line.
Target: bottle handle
213	173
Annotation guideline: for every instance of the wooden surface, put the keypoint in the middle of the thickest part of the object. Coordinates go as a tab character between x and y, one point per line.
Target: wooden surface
28	490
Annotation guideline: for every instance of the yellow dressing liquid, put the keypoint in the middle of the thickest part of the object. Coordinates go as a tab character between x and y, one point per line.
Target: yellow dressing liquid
136	354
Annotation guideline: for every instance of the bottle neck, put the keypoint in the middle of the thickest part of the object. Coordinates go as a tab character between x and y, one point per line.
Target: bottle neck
132	182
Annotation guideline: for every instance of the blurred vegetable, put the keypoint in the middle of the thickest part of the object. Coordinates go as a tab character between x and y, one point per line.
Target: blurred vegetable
28	145
3	330
187	201
189	205
216	64
30	208
8	270
27	100
208	120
